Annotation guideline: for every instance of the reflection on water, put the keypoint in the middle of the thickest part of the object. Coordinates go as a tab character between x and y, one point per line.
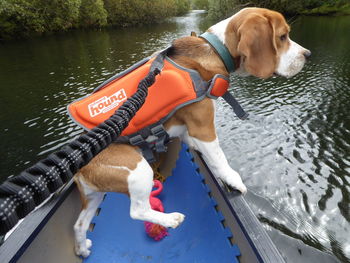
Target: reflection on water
293	152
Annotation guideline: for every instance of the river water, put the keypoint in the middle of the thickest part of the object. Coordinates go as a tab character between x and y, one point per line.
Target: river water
292	153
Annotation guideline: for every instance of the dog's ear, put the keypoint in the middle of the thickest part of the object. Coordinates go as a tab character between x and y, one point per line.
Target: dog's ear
257	46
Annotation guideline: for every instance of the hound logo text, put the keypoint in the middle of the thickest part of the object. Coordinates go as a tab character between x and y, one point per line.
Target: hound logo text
106	104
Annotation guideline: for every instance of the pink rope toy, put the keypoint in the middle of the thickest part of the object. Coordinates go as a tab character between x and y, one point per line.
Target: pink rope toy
157	232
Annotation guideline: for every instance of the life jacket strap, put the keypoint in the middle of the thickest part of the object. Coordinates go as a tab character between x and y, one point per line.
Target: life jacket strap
140	142
162	138
237	108
158	62
218	86
157	144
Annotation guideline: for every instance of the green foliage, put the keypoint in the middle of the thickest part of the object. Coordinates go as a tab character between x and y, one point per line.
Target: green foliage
227	8
20	18
327	9
133	12
92	13
182	6
200	4
59	14
23	17
18	15
223	8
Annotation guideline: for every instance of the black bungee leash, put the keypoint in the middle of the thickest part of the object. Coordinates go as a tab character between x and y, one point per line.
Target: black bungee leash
21	194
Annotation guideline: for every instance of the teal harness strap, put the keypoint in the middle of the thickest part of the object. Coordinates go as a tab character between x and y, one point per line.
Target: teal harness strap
221	49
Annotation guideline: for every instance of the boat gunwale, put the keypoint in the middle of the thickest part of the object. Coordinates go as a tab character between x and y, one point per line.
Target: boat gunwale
262	245
26	230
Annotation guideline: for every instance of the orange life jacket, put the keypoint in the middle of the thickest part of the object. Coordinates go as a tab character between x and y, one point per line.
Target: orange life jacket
174	88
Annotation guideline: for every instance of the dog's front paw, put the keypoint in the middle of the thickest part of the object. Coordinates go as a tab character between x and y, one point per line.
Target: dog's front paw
175	219
88	243
84	251
234	180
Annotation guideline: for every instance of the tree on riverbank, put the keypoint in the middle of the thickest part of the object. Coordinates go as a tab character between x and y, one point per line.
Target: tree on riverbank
134	12
200	4
92	13
224	8
21	18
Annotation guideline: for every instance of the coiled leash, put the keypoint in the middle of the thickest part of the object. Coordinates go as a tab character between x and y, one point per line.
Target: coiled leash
20	195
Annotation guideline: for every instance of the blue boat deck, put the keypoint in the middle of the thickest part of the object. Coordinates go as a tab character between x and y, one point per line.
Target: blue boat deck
202	237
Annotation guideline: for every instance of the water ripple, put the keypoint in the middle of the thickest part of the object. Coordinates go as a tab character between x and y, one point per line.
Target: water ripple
294	151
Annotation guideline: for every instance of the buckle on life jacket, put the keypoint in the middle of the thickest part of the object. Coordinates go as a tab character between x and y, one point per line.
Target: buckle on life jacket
218	86
156	141
140	142
162	138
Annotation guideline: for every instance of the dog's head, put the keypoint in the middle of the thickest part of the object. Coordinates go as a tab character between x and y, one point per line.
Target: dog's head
259	38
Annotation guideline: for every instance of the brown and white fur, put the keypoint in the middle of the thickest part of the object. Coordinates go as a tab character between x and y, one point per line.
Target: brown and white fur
258	40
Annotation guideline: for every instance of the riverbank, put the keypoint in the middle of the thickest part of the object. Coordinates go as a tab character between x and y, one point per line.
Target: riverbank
327	10
25	18
225	8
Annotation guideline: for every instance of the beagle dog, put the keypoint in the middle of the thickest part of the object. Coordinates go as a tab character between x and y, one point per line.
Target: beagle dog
258	40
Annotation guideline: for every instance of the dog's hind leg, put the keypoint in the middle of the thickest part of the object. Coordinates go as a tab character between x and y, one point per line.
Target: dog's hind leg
140	183
91	200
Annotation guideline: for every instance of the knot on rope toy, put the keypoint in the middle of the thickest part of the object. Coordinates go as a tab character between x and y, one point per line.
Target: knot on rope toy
155	231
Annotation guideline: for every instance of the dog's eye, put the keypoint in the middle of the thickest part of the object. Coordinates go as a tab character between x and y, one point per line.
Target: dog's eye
283	37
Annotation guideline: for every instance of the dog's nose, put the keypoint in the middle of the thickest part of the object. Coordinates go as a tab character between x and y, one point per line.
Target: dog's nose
307	53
